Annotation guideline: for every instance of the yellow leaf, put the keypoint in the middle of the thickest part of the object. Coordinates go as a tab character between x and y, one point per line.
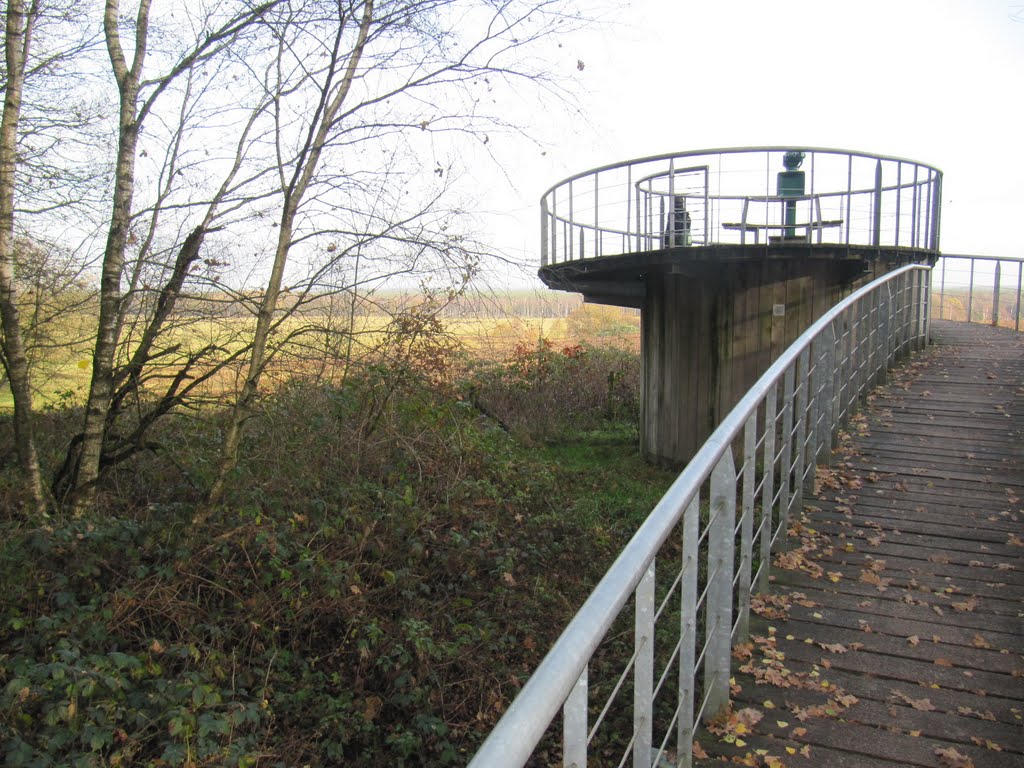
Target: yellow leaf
769	704
915	734
791	750
83	365
740	743
782	723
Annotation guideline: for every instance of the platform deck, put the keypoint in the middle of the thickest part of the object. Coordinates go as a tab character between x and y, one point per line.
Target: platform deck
893	636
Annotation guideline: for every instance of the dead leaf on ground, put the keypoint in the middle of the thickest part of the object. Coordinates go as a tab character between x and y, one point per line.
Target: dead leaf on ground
950	758
922	705
967	605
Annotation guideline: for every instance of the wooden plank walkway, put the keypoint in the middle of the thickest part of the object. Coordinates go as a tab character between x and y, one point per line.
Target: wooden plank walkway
893	635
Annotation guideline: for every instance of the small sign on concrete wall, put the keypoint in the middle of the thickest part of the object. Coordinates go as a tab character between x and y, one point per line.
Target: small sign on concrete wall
778	310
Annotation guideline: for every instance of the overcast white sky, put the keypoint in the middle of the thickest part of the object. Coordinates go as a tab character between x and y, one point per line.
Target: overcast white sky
938	81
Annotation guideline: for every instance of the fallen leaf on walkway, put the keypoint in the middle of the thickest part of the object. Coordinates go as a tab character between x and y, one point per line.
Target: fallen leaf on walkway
980	642
944	662
1015	541
913	640
986	743
967	605
834	647
698	751
922	705
950	758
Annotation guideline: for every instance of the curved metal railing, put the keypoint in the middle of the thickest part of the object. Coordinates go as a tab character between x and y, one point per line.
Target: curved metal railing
979	289
737	197
692	566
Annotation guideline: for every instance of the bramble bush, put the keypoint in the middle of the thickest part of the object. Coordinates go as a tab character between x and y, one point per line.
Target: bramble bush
390	566
544	392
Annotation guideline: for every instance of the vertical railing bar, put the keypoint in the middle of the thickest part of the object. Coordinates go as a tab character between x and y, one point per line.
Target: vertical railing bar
970	294
597	219
942	288
915	210
572	220
718	610
629	203
899	198
876	220
995	294
849	194
926	281
688	631
574	725
1016	314
786	467
767	485
643	672
746	528
813	402
828	399
800	457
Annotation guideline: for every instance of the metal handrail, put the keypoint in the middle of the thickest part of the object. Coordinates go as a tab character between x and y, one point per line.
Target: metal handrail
799	404
1004	304
872	201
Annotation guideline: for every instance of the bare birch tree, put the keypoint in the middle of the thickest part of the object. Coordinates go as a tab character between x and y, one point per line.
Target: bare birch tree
390	69
18	40
136	102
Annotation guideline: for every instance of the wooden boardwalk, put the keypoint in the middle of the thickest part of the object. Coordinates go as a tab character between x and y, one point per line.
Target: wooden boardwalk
893	635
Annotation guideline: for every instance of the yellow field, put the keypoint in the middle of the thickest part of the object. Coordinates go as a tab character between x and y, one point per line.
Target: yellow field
62	373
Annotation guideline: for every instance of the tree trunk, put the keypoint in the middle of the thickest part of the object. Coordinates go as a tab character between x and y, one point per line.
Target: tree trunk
18	36
332	97
101	387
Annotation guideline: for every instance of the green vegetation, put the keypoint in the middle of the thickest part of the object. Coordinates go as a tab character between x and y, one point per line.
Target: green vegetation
395	556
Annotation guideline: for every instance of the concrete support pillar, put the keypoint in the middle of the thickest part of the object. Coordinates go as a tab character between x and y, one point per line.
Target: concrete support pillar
709	332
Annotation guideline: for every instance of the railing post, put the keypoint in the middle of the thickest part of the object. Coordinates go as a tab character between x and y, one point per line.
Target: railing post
886	329
813	402
995	294
876	223
1016	314
970	294
767	486
827	409
926	310
746	529
718	611
574	725
786	460
544	231
803	382
942	289
688	631
643	674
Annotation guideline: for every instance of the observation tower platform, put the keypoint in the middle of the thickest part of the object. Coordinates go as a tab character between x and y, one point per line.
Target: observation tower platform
730	254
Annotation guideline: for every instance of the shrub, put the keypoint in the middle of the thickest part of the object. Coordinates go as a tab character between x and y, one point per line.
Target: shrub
543	392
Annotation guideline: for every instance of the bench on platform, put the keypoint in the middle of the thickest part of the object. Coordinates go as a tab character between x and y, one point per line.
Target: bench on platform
808	226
